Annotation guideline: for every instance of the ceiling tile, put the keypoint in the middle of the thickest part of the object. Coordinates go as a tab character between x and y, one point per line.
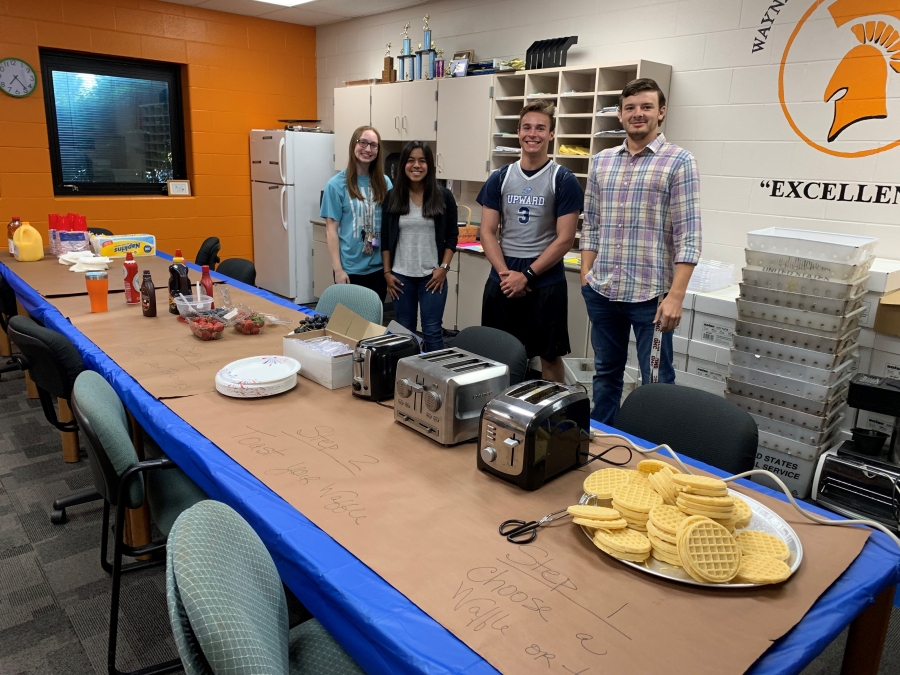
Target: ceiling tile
299	14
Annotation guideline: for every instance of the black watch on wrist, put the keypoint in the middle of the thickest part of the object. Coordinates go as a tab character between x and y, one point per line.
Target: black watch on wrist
529	274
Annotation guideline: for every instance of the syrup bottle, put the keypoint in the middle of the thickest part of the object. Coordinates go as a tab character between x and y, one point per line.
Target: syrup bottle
148	295
179	283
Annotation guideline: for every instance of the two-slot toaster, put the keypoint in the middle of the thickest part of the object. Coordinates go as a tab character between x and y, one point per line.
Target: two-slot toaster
441	394
375	364
533	432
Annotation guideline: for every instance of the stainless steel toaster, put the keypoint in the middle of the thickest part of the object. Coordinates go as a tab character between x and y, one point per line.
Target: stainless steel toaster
375	364
533	432
440	394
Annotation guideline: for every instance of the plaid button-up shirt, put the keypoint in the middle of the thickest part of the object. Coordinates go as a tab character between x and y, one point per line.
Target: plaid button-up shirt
641	215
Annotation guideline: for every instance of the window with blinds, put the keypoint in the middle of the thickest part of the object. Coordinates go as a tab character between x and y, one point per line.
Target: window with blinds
115	125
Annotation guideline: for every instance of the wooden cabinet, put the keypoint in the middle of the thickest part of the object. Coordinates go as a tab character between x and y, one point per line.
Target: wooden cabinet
351	110
464	109
405	111
323	276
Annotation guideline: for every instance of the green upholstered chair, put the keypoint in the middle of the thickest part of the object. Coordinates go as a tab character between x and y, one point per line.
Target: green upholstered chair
227	606
364	301
119	477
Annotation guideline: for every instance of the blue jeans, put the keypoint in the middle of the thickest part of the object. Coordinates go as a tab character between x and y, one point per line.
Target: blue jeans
415	297
610	324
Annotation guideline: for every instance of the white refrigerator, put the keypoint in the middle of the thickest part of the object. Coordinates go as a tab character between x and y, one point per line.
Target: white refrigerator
288	171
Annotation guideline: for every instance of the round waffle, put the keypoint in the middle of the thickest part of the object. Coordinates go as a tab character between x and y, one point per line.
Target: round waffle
626	541
714	513
651	465
636	525
709	552
636	497
664	557
601	483
667	518
659	534
662	545
621	555
742	513
628	513
618	524
762	544
701	485
709	503
593	512
757	569
638	477
661	481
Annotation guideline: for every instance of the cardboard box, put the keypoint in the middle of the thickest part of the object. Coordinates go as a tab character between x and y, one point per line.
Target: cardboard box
870	307
884	276
886	357
634	374
866	338
686	379
708	360
332	372
719	303
795	471
713	329
887	317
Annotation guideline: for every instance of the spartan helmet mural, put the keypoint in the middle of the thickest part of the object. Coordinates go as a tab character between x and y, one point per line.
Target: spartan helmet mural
862	74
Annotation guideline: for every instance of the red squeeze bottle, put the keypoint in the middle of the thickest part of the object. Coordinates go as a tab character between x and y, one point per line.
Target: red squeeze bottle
207	283
132	283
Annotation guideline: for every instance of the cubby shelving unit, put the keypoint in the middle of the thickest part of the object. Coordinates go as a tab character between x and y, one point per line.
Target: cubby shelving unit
580	95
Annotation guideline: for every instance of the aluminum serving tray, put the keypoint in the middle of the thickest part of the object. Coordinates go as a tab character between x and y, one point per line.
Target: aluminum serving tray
802	301
795	433
817	323
786	375
781	414
796	338
764	520
796	357
805	268
849	249
796	403
789	283
787	385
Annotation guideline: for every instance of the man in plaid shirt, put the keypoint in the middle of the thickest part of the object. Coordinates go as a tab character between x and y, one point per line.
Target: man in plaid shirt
639	245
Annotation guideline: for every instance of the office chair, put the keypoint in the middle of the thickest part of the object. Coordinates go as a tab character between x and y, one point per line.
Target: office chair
100	231
208	253
693	423
497	345
8	308
53	363
227	606
119	478
238	269
364	301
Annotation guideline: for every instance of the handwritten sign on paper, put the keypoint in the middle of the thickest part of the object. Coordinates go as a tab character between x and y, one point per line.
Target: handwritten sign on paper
424	518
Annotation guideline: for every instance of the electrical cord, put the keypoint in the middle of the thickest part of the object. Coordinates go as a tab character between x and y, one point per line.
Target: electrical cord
601	456
384	405
784	488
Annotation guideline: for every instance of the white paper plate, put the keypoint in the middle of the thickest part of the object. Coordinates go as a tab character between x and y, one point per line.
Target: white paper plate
764	520
259	370
255	390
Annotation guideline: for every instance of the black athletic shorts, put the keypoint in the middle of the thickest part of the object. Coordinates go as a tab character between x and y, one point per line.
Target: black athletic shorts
539	320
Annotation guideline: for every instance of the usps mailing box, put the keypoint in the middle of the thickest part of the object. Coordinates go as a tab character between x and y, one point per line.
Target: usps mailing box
796	470
332	372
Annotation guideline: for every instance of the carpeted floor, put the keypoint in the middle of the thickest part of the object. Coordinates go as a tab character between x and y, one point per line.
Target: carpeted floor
54	596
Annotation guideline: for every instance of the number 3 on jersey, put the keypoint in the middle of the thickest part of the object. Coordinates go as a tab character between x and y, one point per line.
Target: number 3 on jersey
524	214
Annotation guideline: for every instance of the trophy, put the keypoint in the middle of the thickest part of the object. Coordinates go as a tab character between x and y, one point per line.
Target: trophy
419	62
427	35
388	74
406	58
439	64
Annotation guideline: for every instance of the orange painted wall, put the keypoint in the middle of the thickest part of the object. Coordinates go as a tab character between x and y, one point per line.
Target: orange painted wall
239	73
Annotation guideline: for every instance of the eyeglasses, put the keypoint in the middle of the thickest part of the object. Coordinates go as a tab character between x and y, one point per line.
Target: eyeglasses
365	144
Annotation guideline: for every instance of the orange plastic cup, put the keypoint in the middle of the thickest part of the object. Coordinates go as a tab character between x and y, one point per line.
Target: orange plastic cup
97	288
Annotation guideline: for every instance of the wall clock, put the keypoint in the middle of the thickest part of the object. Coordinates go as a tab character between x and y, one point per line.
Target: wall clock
17	78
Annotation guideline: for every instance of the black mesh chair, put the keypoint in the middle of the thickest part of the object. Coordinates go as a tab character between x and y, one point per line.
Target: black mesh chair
693	423
53	363
208	253
8	308
100	231
497	345
238	269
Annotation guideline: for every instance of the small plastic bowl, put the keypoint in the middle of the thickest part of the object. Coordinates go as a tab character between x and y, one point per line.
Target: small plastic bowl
206	332
188	306
868	441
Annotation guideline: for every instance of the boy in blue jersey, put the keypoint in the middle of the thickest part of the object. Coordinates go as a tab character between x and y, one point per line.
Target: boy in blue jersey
528	220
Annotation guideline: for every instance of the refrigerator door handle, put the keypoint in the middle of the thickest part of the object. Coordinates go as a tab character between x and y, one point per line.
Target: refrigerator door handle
282	160
281	204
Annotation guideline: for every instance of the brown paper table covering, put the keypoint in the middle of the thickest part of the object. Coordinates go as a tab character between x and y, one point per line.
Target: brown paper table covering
51	279
424	518
161	353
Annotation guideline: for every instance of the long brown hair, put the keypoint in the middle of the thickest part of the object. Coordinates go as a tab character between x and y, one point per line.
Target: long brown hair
433	198
376	169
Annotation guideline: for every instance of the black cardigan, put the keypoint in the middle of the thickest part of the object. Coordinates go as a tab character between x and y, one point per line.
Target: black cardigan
446	227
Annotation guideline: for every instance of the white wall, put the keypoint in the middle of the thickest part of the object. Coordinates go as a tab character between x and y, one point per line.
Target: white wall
724	97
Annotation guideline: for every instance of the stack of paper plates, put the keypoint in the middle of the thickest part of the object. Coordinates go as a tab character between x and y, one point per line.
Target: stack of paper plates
258	376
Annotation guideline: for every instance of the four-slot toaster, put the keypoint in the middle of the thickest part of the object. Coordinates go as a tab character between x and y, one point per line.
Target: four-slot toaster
441	394
375	364
534	431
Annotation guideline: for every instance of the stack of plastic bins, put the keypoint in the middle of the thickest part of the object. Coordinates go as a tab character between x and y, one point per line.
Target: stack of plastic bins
794	344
